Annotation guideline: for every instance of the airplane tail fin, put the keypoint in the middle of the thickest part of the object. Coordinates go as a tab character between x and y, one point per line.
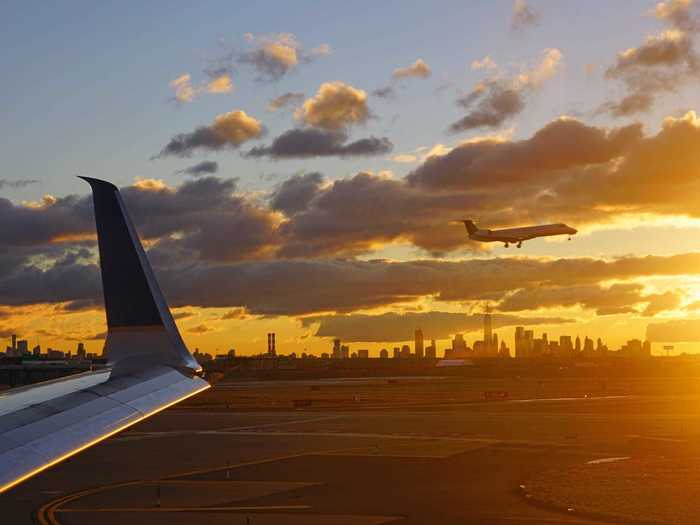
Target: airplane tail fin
140	327
471	227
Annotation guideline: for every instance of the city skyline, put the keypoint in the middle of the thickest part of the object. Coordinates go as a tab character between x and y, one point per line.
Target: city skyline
301	178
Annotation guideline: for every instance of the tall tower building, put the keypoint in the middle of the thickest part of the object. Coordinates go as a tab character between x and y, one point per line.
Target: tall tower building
271	348
418	343
488	335
14	344
336	349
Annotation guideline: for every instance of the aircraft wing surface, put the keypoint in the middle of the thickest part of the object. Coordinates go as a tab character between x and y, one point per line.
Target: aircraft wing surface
149	368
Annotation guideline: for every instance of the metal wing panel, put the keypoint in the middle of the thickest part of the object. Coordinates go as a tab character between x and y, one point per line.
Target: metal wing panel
35	437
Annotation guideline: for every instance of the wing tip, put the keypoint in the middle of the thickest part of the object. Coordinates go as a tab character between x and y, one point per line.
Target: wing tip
98	183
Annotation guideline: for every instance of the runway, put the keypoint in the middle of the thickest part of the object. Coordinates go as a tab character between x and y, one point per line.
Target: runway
465	464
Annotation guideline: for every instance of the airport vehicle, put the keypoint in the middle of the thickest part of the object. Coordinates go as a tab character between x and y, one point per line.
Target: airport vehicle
148	365
516	235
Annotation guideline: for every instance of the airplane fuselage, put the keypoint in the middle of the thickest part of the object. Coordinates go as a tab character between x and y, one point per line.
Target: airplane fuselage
518	235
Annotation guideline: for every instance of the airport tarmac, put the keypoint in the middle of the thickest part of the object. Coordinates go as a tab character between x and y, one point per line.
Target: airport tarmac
437	463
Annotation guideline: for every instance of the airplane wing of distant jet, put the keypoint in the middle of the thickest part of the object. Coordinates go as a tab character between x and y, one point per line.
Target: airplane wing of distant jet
149	366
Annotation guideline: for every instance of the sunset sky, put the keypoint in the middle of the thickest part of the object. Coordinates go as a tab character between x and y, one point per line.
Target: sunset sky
295	167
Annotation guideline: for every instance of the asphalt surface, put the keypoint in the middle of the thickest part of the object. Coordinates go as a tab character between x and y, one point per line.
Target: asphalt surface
434	464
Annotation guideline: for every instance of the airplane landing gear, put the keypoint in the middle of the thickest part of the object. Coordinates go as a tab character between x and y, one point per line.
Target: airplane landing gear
505	245
520	244
569	238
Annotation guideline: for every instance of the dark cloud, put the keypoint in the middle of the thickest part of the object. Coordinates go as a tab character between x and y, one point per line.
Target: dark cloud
311	142
275	55
301	287
496	104
614	299
183	315
228	130
386	92
560	145
636	102
206	167
285	101
14	184
354	214
200	329
295	194
661	64
494	101
394	327
235	314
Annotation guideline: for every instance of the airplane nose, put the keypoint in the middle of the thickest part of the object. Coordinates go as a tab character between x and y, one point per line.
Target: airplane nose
573	231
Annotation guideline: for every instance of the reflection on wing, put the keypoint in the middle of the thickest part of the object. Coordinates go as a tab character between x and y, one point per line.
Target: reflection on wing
149	368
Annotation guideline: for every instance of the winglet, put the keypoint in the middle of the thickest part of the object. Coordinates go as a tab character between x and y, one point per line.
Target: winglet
140	327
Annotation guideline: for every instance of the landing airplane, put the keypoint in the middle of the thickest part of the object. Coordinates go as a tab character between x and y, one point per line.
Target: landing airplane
516	235
148	365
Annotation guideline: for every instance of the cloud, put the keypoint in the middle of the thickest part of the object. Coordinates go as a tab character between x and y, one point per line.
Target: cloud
494	163
284	101
206	167
662	302
635	102
386	92
674	331
419	69
494	101
183	315
275	55
605	300
670	48
335	106
484	63
295	193
235	314
661	64
20	183
185	91
497	103
228	130
310	142
394	327
200	329
681	14
523	16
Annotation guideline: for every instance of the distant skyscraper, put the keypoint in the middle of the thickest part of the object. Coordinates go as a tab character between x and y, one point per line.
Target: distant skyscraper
418	343
336	349
405	351
80	352
14	343
577	347
519	342
397	352
459	346
22	347
384	353
488	337
271	347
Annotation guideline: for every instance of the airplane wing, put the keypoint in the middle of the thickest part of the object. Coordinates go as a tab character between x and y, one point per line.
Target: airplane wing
149	366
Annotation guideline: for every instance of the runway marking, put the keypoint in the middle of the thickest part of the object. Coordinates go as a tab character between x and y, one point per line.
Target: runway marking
607	460
137	436
190	509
